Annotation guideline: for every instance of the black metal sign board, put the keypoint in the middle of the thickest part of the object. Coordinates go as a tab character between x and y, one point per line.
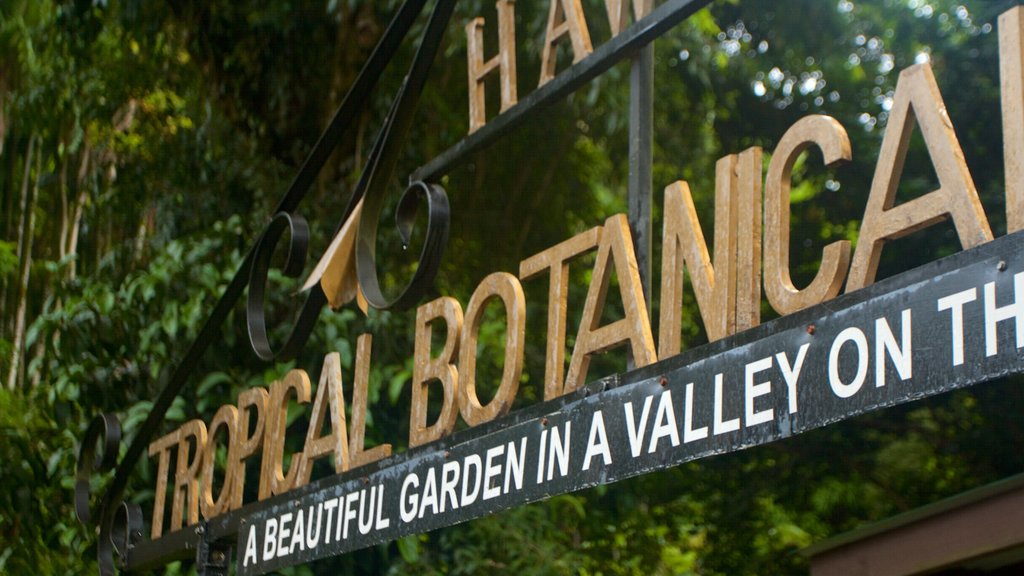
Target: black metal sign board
950	324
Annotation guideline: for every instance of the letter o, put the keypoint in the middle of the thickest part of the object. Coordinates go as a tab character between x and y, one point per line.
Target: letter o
506	287
227	417
840	388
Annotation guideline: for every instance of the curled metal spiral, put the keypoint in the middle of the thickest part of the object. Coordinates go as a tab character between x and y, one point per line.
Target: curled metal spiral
380	169
108	428
120	524
298	246
430	254
124	528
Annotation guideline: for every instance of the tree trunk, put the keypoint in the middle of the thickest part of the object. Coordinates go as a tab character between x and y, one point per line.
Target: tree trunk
15	229
65	214
40	347
6	227
82	187
27	228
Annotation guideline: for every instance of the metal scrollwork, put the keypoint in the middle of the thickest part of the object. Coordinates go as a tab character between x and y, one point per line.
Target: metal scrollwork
108	428
127	528
120	524
105	429
255	305
381	167
430	254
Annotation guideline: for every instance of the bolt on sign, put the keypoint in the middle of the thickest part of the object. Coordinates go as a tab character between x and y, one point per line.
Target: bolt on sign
950	324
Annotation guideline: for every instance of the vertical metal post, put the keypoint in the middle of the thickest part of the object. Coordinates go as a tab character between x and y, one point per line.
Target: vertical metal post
641	128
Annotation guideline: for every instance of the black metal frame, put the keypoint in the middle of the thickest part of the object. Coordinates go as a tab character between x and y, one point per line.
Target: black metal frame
119	524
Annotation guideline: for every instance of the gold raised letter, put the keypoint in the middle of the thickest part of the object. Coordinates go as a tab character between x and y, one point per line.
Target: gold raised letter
635	329
427	369
917	101
329	397
358	455
505	61
253	400
226	416
186	477
618	15
273	481
161	447
831	138
556	259
1011	74
728	293
748	246
684	246
565	17
506	287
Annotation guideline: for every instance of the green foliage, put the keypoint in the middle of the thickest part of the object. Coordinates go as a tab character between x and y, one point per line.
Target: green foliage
167	131
8	259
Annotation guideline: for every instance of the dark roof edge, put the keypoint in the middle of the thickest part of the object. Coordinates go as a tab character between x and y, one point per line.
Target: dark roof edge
916	515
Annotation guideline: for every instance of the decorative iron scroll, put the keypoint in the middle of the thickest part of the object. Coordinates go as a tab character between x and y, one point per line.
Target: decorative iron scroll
119	524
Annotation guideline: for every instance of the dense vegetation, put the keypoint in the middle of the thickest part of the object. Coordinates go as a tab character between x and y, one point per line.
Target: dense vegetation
143	145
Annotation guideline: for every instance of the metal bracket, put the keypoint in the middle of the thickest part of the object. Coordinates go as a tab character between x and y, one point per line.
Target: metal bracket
212	557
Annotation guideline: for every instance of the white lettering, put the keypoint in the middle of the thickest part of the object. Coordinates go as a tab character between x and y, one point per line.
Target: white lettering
689	434
250	546
955	304
636	433
330	505
721	427
449	480
350	512
365	522
429	496
597	442
885	343
492	471
995	315
664	423
792	374
411	500
270	539
559	451
471	462
755	390
298	535
313	534
381	522
840	388
515	465
541	455
283	533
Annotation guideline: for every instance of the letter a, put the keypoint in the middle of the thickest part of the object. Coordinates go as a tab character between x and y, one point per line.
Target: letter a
615	250
917	99
565	17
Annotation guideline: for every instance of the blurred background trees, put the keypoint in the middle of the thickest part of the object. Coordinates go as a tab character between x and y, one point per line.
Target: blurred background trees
143	144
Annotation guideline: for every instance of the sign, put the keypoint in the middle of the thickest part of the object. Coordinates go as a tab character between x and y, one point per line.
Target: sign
946	325
950	324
